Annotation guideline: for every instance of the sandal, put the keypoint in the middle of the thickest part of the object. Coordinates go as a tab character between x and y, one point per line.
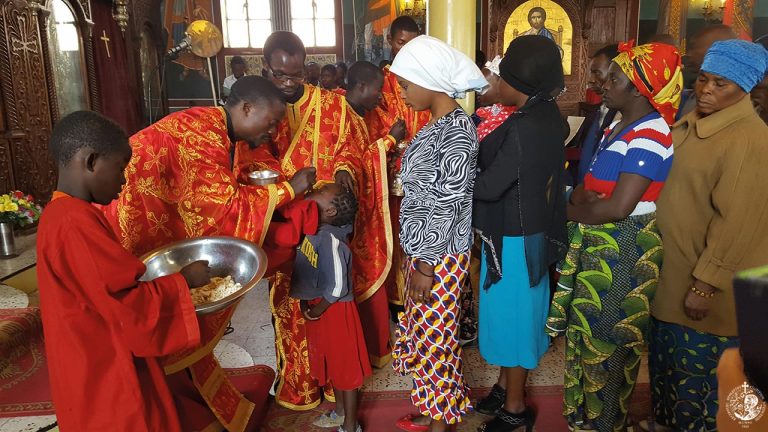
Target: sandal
329	420
505	421
492	403
357	429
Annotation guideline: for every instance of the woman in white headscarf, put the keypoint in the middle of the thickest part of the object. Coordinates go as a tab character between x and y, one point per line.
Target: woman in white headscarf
438	172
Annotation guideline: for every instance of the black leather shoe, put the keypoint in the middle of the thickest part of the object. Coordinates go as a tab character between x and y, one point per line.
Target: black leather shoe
492	403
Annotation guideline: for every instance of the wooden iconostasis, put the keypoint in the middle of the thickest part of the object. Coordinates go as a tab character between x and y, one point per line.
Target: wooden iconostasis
58	56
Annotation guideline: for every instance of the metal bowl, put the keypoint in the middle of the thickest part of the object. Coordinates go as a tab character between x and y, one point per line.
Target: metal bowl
246	262
263	177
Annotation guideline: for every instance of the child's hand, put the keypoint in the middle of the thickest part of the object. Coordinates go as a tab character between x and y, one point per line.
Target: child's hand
398	130
197	274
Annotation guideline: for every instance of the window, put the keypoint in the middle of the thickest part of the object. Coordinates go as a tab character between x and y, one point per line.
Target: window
246	23
314	22
67	59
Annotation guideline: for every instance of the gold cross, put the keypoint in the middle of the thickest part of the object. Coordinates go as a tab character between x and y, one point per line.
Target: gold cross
324	158
306	393
106	42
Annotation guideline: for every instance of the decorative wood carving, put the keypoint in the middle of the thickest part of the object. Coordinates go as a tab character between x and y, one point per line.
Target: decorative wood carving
93	85
24	160
6	182
676	19
602	32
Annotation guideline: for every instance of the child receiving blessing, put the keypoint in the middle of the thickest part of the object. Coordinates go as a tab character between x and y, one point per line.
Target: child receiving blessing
322	281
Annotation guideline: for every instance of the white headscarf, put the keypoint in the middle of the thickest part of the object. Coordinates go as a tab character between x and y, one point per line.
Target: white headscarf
433	64
493	65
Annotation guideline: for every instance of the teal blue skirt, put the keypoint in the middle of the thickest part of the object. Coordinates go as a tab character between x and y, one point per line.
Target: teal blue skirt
513	314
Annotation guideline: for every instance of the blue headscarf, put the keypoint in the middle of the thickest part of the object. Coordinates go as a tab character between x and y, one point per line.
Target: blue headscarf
744	63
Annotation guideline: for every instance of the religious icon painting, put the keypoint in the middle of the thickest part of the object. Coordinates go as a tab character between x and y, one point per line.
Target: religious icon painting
543	18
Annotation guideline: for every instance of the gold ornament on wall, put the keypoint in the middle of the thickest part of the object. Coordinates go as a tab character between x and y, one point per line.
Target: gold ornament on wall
712	12
120	14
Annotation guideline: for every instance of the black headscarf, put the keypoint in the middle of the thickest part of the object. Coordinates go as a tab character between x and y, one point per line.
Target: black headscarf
532	65
535	204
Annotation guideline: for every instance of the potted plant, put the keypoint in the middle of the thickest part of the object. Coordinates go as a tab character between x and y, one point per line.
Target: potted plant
16	210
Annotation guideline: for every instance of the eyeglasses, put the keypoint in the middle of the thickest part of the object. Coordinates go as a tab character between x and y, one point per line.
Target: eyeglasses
285	77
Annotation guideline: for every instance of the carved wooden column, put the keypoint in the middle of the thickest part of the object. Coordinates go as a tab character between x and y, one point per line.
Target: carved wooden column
678	13
24	160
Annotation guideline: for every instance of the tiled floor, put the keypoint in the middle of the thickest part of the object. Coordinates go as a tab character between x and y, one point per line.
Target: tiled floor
252	342
25	424
253	331
12	298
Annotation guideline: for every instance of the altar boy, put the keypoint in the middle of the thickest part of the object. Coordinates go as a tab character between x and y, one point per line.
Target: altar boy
103	328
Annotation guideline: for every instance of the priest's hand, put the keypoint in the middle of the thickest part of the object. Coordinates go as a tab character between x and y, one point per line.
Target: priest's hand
345	179
303	180
197	274
420	282
398	130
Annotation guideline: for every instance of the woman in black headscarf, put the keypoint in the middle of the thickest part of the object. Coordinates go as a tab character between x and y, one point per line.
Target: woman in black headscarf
519	212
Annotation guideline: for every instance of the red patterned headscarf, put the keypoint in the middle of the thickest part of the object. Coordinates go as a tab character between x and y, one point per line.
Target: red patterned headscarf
655	70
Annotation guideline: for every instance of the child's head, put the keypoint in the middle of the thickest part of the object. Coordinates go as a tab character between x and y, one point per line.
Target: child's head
328	77
337	206
91	152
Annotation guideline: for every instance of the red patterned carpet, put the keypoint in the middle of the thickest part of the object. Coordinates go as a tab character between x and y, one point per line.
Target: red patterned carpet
23	374
24	387
379	410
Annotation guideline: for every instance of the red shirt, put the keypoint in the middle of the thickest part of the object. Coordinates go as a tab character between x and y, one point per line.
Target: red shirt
492	116
103	329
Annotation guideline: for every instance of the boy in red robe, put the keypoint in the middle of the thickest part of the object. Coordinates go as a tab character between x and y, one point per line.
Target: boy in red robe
104	328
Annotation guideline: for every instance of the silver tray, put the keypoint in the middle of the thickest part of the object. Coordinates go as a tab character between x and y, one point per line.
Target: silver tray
246	262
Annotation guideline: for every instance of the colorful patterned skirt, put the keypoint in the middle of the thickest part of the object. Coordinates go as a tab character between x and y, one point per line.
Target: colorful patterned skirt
427	346
602	302
683	369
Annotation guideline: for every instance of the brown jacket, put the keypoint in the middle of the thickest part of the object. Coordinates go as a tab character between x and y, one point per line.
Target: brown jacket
713	212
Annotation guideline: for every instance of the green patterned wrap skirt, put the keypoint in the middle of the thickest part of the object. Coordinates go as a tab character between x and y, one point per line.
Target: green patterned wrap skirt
602	302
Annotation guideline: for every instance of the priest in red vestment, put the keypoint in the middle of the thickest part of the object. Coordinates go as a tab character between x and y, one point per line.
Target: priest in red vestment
373	240
391	109
181	184
104	330
317	131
